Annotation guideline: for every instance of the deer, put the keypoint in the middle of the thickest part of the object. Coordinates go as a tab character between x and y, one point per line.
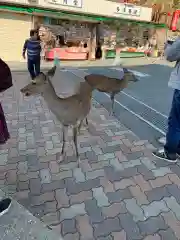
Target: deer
110	85
69	111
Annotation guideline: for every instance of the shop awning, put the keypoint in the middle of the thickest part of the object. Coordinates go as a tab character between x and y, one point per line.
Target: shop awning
77	16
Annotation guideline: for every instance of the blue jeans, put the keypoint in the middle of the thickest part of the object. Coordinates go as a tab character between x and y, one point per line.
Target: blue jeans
173	134
34	67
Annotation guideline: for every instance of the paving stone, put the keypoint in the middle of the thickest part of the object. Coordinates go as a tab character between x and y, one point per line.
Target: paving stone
62	175
81	197
68	167
157	194
124	183
23	186
148	163
132	163
174	179
107	185
101	198
106	156
154	208
140	197
22	168
78	175
145	172
113	175
109	237
71	236
11	176
35	186
172	222
152	225
61	198
130	227
75	188
38	200
51	218
94	174
174	191
50	207
173	205
153	237
84	227
175	169
119	235
107	227
94	212
118	196
45	176
68	226
135	210
52	186
54	167
133	155
114	210
72	211
167	234
116	164
160	172
160	182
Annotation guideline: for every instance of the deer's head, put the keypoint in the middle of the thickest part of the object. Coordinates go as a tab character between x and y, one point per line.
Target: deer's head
129	75
37	86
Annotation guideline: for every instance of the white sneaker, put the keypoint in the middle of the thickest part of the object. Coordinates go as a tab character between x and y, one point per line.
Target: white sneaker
162	140
5	205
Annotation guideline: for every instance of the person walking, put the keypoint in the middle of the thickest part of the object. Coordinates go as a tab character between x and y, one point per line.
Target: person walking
171	150
5	83
33	48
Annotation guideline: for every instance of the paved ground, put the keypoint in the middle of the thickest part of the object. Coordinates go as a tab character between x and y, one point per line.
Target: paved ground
118	192
19	224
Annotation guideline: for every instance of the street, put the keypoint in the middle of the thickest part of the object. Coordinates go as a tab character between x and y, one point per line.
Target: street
119	191
144	106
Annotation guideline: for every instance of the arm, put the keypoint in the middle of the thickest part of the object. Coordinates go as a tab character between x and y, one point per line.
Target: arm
24	48
172	52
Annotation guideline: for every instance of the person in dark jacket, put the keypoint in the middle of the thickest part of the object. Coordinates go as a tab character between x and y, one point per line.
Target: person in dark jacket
33	48
5	83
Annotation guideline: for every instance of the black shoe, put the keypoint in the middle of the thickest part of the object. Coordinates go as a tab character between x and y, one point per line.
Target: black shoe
162	155
5	204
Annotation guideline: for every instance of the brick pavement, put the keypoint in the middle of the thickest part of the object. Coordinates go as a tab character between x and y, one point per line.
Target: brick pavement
118	192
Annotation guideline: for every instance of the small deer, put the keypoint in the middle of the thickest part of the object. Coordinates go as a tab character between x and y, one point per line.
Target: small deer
69	111
110	85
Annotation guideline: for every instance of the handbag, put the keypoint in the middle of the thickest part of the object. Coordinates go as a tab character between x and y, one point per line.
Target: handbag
5	76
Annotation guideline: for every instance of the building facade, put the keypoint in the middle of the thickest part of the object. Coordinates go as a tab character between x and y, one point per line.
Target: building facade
17	17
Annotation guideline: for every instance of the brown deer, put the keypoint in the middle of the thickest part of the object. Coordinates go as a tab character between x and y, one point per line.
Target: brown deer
69	111
110	85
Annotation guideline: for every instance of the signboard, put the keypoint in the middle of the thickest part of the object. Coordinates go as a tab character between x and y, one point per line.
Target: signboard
70	3
128	9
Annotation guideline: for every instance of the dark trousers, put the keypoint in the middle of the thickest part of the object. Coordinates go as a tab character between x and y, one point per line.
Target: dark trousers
173	134
34	67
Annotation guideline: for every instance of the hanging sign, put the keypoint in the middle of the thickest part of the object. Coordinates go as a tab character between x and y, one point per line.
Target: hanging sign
70	3
128	9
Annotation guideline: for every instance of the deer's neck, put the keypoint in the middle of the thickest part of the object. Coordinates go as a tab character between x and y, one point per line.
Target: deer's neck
49	94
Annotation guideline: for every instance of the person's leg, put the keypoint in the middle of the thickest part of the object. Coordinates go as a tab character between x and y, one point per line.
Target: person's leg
31	68
171	147
37	64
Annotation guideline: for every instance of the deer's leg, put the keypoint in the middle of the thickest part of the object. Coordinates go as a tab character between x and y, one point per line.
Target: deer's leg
87	121
112	104
75	130
80	125
64	140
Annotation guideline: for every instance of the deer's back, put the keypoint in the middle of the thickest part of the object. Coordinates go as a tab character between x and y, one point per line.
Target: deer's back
72	109
105	84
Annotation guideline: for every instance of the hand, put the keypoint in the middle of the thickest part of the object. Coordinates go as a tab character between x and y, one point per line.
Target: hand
24	56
